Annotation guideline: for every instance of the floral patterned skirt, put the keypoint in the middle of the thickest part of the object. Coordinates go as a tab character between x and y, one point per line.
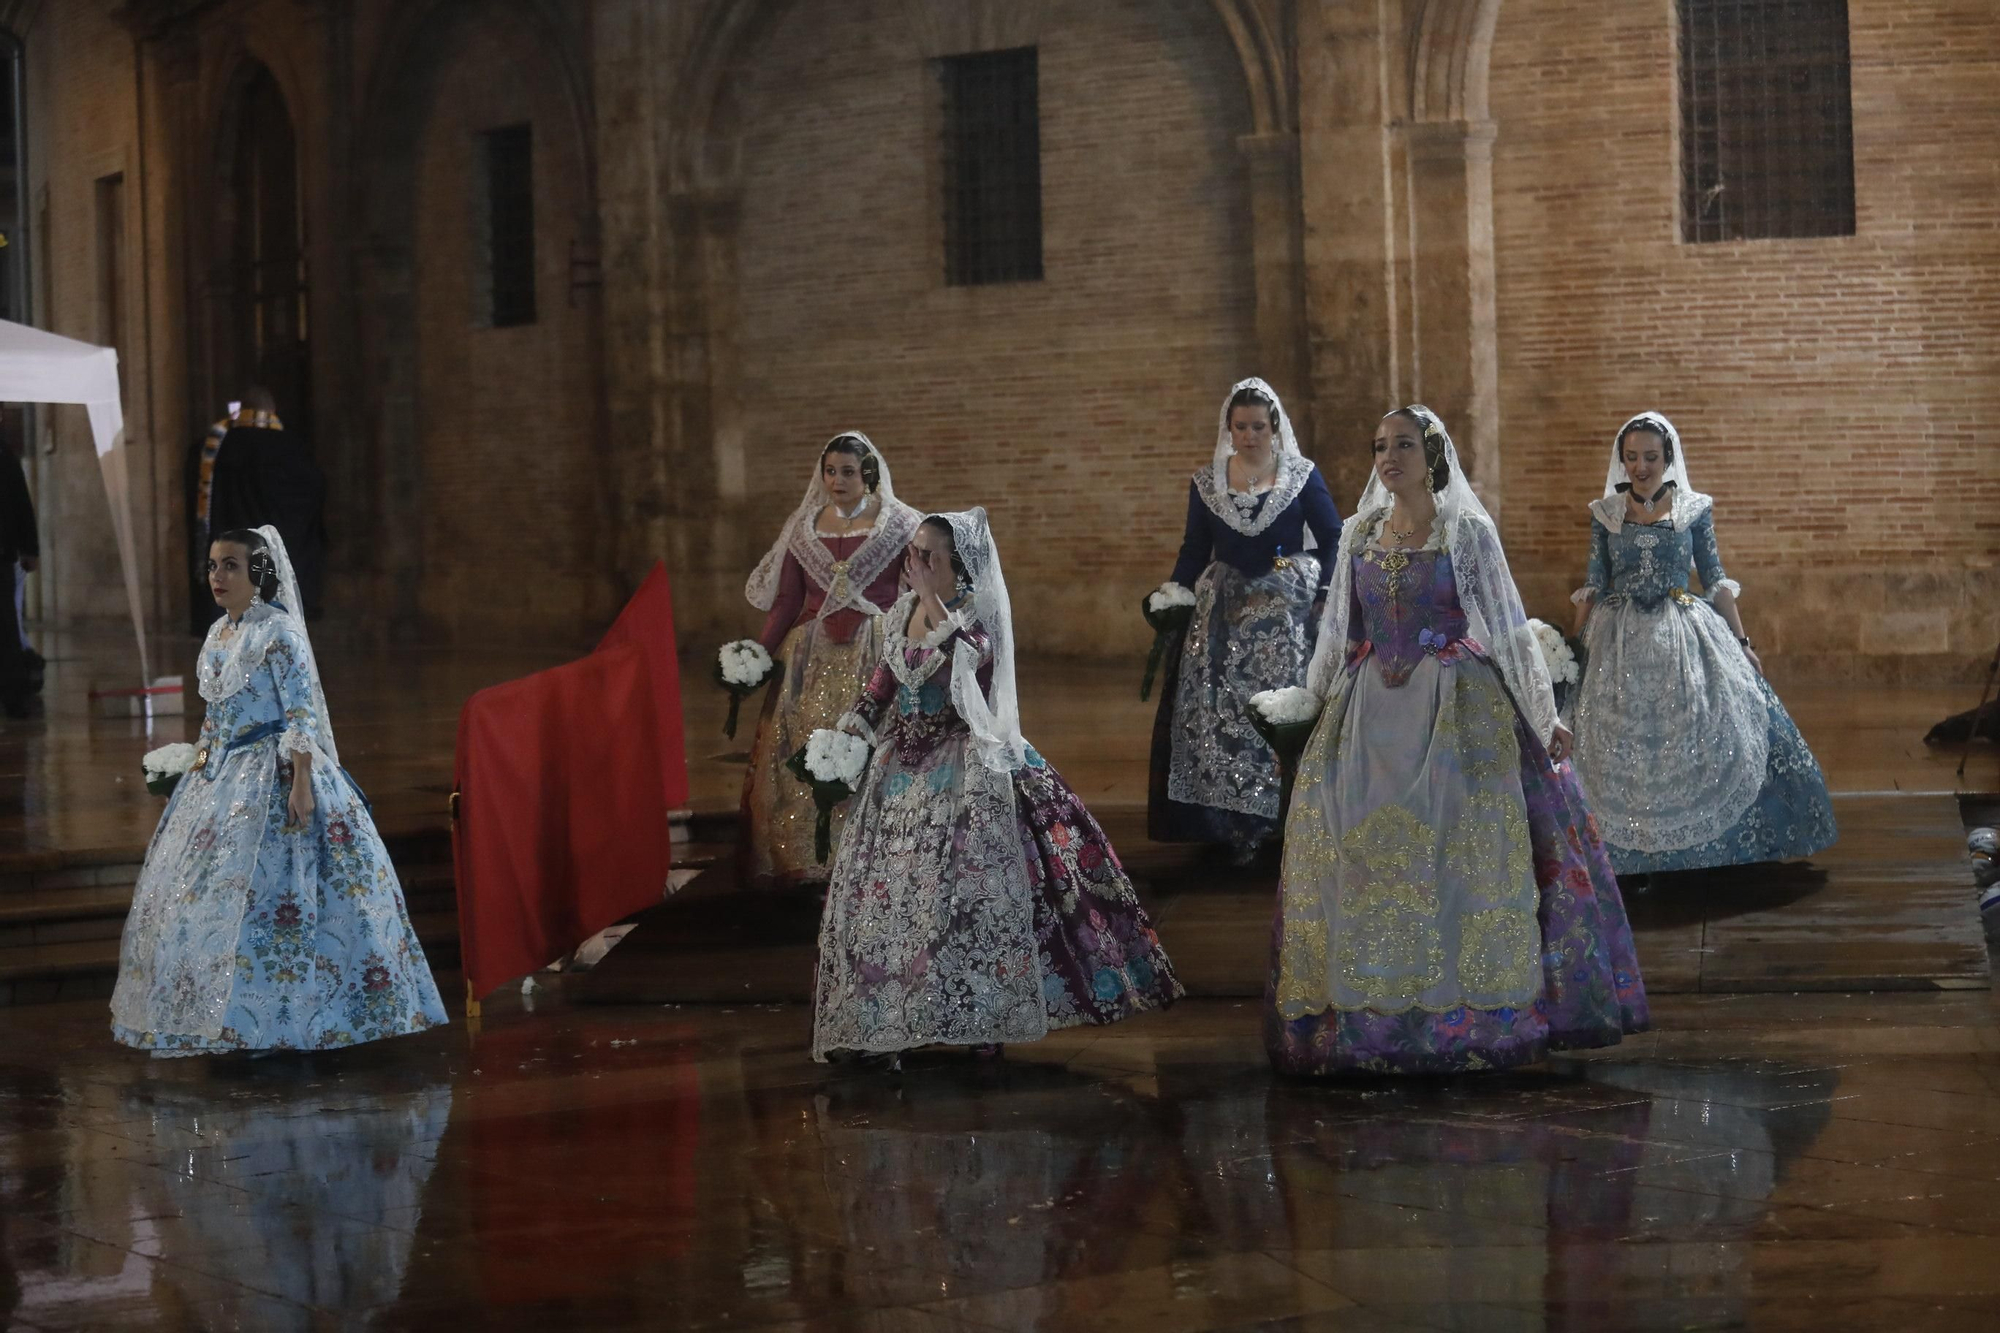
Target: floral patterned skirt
817	683
246	936
969	906
1213	778
1385	909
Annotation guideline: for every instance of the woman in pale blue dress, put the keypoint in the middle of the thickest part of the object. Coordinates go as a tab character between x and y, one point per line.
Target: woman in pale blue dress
1688	758
267	916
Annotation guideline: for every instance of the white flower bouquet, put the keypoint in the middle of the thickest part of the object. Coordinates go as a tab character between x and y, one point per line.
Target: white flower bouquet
166	766
1285	718
831	763
1562	657
1167	608
741	667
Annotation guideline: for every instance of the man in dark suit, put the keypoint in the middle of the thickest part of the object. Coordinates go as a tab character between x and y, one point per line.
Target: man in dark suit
264	473
20	544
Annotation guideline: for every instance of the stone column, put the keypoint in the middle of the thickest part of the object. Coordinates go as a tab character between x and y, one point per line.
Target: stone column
1454	338
1276	261
1351	299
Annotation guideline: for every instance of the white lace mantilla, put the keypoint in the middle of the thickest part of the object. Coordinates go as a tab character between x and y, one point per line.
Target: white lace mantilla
1294	471
846	582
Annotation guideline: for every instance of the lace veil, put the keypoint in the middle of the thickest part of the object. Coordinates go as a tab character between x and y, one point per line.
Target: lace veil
895	524
994	713
1486	590
1689	504
259	626
1294	468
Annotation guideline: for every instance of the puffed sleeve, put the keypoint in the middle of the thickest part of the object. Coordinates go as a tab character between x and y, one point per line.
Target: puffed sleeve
875	696
1323	519
785	606
1597	578
1197	544
1708	557
288	657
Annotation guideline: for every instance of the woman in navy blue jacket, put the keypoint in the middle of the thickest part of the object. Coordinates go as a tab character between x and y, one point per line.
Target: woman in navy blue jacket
1261	526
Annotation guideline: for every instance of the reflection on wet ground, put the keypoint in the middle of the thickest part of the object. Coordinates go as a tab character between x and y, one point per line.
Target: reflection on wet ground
1818	1161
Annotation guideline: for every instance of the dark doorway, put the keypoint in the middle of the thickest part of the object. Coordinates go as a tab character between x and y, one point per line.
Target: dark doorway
265	321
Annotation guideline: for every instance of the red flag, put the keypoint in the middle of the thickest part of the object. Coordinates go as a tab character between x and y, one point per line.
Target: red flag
565	779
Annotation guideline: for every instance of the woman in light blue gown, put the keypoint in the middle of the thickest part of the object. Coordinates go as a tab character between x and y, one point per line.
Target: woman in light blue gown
1687	756
267	916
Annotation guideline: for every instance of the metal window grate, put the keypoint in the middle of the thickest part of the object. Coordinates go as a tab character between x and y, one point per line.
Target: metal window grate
510	225
992	168
1767	123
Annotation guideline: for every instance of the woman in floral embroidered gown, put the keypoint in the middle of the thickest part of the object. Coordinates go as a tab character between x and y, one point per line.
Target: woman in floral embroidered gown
1446	904
267	916
1253	515
1689	759
825	583
974	900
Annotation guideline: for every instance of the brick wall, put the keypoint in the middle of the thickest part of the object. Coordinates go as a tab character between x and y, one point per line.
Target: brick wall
511	486
1074	408
1828	389
1832	392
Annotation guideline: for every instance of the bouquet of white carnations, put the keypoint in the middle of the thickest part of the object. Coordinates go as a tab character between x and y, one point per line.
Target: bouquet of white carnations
1562	657
1285	718
166	766
1167	608
831	763
741	667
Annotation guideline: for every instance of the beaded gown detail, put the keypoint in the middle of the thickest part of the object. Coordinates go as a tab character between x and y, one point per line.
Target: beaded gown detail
1689	759
1446	903
969	905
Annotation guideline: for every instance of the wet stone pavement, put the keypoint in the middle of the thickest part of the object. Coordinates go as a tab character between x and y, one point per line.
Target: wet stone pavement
1774	1161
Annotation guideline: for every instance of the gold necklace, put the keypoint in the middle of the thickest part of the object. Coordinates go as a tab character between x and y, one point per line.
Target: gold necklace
1400	536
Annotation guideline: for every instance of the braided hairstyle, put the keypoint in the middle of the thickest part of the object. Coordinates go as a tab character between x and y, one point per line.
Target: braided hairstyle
263	568
856	448
1638	424
1253	397
1431	431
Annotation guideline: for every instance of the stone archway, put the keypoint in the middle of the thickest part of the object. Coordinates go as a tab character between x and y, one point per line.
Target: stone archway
1448	148
258	294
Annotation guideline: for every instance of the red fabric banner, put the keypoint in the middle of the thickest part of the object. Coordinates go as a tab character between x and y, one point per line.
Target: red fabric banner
565	779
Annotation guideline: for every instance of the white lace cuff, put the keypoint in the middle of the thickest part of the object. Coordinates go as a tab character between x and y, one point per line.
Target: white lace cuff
295	740
1587	593
1734	589
954	622
857	724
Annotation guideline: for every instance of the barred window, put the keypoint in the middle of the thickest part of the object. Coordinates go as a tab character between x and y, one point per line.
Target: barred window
1767	125
507	227
992	168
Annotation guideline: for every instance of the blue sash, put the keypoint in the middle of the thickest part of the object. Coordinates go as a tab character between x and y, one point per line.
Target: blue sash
208	761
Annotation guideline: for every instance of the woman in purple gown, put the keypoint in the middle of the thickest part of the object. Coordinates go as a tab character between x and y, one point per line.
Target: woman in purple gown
974	900
1446	902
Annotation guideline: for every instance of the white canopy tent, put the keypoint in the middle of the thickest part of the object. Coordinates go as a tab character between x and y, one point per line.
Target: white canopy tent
39	367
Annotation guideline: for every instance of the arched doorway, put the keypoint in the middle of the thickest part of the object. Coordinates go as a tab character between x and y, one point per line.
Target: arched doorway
264	321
